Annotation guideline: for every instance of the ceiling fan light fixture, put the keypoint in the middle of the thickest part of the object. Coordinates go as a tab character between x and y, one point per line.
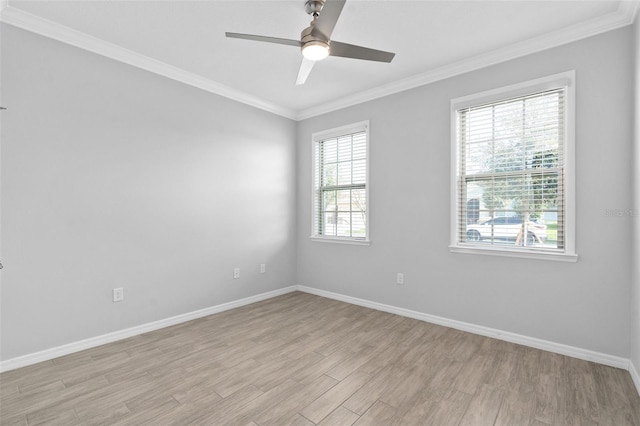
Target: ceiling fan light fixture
315	50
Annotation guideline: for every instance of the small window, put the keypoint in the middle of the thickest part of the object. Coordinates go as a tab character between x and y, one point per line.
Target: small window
512	179
340	184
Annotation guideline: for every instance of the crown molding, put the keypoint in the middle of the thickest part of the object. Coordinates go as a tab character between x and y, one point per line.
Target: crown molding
629	8
625	15
29	22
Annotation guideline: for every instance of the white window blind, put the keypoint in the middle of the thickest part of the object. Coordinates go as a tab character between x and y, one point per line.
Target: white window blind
510	183
340	184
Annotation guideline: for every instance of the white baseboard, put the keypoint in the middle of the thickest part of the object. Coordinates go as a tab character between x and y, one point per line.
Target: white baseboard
34	358
614	361
635	376
546	345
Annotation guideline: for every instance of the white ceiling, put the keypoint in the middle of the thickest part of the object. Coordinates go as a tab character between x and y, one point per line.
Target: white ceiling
432	39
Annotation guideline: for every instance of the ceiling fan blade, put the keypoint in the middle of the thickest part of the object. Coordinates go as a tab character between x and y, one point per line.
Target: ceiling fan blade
329	15
305	69
346	50
265	39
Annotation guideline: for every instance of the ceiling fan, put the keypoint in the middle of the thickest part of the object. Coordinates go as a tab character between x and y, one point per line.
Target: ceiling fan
315	40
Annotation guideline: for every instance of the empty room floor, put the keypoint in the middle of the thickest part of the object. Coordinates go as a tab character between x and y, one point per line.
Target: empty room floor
300	359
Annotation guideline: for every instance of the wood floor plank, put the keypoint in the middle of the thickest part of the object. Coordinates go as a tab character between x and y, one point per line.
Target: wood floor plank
340	416
472	374
361	400
517	405
446	411
300	359
403	385
484	406
546	403
302	397
298	420
20	420
379	414
329	401
53	416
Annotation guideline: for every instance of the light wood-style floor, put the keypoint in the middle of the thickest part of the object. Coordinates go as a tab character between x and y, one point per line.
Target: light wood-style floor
300	359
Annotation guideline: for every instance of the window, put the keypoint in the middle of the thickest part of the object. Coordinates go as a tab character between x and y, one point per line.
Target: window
512	179
340	190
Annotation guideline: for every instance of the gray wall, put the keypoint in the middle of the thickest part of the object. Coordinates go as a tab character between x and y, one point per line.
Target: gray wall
116	177
635	292
583	304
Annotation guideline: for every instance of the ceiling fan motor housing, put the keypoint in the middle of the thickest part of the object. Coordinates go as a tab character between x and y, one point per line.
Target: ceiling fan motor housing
313	7
308	39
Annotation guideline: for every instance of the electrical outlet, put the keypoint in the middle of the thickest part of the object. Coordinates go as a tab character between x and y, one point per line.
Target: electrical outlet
118	294
236	273
400	278
263	268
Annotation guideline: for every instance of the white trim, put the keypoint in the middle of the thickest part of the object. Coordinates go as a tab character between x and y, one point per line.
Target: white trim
26	21
622	17
360	126
340	131
491	251
634	376
550	82
340	240
566	80
47	354
630	9
572	351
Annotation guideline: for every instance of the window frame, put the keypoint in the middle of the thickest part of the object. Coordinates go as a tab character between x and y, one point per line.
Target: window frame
565	80
362	126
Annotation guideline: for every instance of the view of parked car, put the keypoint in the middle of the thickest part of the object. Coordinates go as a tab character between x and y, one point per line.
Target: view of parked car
507	228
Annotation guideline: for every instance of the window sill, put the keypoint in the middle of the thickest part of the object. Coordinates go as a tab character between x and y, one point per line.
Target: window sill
339	240
538	255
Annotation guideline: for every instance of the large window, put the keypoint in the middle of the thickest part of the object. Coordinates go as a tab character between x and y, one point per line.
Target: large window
340	190
513	183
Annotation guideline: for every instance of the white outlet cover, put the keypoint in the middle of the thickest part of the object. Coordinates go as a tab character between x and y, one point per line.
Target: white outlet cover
118	294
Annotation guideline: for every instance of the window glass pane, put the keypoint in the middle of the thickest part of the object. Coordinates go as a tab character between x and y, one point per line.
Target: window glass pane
340	179
478	125
344	200
359	202
359	171
344	224
508	155
358	226
329	201
344	173
510	165
330	151
359	146
508	121
479	158
330	175
344	148
329	223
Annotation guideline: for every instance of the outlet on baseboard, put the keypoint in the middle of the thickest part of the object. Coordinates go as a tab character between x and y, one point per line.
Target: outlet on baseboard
118	294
